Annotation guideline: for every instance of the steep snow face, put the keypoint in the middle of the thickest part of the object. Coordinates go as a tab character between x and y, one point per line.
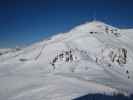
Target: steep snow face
91	58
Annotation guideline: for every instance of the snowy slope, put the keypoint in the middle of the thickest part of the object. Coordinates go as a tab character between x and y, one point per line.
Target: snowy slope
90	58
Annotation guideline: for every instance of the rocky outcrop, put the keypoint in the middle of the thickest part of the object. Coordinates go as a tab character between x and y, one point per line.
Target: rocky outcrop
64	56
112	31
112	55
120	57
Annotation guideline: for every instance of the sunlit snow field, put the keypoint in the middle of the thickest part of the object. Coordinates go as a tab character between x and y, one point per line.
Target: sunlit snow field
93	58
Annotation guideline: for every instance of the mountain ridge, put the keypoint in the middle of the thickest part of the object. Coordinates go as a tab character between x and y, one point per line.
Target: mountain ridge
93	52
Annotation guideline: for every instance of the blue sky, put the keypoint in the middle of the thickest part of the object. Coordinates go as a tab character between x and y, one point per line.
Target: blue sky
27	21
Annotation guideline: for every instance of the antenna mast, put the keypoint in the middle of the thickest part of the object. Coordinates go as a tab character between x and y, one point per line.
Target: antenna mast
94	16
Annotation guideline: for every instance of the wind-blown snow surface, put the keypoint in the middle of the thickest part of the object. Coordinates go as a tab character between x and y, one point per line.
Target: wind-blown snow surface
91	58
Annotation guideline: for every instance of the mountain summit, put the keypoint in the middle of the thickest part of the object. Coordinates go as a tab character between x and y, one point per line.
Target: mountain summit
91	58
94	25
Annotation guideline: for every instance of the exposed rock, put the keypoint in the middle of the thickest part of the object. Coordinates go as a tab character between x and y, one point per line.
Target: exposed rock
64	56
1	54
23	59
127	72
112	55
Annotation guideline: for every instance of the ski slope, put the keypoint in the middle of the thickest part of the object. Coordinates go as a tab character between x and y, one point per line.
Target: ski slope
91	58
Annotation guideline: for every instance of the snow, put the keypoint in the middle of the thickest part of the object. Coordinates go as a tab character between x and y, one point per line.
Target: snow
69	65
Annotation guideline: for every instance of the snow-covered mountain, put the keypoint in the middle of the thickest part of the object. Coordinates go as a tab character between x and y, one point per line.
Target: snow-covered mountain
90	58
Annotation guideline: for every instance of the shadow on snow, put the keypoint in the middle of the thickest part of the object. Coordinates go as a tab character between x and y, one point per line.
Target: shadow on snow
104	97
